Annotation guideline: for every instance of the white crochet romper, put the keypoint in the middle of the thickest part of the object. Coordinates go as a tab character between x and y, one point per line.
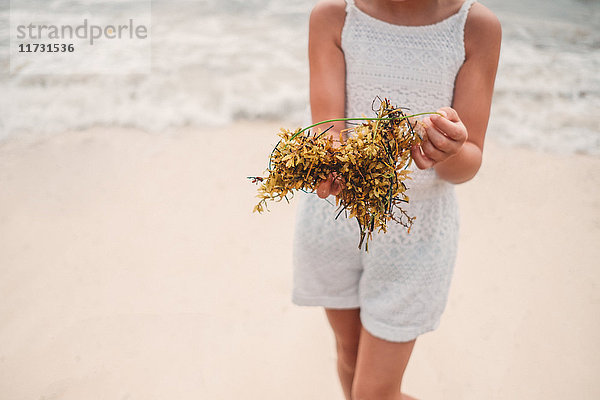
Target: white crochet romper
401	284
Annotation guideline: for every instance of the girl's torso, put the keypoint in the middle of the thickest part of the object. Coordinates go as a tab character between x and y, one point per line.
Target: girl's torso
413	66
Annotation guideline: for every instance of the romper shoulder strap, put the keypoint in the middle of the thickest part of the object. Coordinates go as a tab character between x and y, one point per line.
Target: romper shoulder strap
464	10
349	4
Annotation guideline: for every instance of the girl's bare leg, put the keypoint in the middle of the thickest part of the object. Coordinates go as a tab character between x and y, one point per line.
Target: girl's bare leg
380	366
346	328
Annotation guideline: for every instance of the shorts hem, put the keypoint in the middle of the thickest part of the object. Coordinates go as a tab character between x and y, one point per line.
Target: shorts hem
325	301
394	333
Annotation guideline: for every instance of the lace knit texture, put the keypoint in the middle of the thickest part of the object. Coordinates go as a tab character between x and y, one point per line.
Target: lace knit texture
401	284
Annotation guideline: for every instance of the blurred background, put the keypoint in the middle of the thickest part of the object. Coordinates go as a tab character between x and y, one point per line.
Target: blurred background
131	266
215	62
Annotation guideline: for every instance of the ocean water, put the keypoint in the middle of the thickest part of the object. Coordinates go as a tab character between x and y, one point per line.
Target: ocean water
214	62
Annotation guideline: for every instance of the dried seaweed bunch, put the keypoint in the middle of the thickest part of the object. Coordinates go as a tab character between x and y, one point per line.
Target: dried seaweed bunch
298	162
372	162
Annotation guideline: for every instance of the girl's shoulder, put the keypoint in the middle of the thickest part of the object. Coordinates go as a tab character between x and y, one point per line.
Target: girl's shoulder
327	19
481	15
326	9
482	30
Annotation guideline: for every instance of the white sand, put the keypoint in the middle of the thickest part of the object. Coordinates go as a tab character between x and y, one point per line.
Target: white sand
131	267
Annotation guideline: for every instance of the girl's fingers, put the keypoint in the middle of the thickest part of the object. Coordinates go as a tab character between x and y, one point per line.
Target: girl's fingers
332	185
324	188
440	141
453	130
449	124
337	185
444	137
336	188
422	161
431	152
336	143
427	122
437	142
449	113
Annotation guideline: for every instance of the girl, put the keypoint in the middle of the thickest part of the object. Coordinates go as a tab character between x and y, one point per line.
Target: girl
426	55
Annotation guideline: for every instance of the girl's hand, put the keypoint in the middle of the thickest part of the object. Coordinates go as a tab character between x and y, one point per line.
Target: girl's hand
443	138
334	183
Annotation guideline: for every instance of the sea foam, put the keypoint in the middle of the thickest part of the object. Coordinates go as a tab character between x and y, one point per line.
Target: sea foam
215	62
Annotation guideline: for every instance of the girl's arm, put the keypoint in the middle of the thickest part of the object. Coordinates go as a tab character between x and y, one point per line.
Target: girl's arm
454	144
327	73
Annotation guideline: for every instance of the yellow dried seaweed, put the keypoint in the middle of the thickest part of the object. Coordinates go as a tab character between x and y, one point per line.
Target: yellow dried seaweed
372	163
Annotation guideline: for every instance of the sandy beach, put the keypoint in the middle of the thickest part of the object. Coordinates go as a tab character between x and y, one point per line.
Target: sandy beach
132	267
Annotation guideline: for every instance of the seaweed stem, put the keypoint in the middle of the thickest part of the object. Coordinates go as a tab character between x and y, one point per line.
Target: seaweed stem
360	119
